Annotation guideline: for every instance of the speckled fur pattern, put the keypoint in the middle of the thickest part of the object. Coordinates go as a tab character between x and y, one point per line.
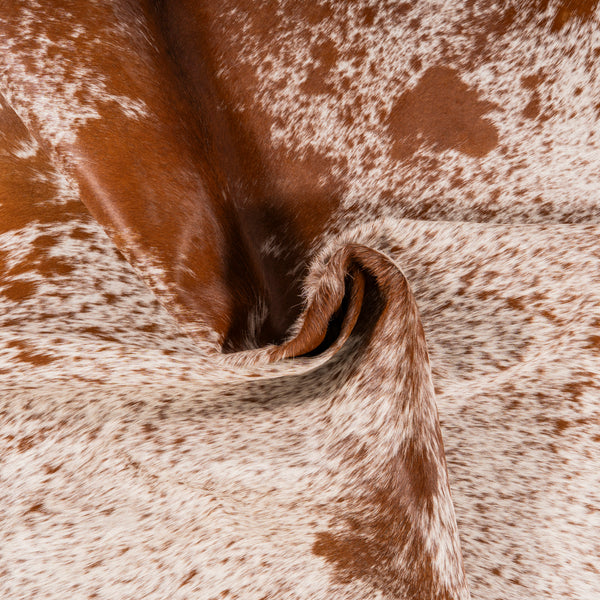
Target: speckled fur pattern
139	461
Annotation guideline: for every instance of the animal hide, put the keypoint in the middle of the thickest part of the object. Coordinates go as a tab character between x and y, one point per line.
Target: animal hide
258	258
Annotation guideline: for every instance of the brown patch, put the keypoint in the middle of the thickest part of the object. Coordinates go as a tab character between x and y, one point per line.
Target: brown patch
368	550
593	342
533	107
385	527
38	507
400	10
486	294
580	10
26	443
80	234
325	56
574	389
189	577
532	110
444	112
50	469
367	15
55	266
46	241
109	297
29	354
98	333
19	290
530	82
561	425
149	427
515	303
548	314
35	358
416	64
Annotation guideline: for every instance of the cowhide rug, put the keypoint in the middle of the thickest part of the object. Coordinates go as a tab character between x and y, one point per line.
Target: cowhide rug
258	259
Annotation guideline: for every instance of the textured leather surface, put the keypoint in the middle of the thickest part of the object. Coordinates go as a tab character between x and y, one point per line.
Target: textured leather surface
258	259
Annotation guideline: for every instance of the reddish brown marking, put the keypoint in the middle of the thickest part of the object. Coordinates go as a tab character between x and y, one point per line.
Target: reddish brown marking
35	358
580	10
442	111
594	342
532	110
50	469
26	443
288	195
189	577
369	546
29	354
18	290
325	56
515	303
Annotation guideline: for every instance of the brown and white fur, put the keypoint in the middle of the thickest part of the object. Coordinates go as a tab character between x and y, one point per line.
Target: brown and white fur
234	234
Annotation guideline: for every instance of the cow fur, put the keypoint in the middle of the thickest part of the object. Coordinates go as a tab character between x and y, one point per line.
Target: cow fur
249	251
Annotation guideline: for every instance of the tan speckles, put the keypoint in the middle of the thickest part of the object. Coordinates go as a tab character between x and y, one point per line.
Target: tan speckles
442	111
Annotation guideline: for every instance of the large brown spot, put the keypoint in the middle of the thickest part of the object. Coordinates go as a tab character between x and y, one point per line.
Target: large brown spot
368	548
444	112
382	531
